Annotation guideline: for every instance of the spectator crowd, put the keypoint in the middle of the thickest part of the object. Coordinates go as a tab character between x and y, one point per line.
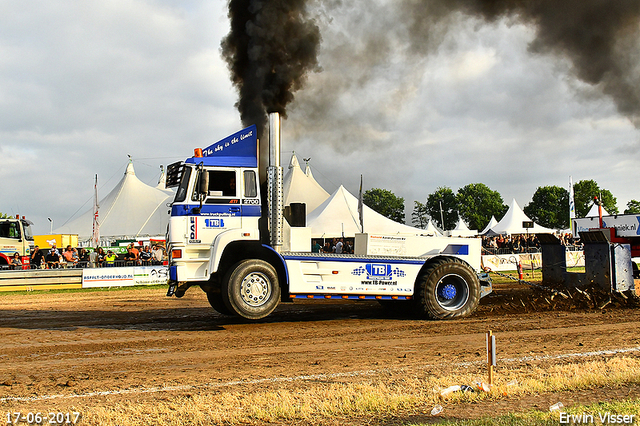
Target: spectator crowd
72	257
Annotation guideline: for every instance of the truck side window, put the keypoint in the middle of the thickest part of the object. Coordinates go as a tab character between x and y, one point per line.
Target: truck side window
181	193
9	230
250	187
222	183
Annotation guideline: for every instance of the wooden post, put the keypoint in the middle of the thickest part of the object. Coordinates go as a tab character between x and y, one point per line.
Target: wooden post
491	355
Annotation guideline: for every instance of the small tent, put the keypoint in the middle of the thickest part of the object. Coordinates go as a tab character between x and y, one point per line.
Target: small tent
593	211
432	230
512	223
132	209
487	229
338	216
461	230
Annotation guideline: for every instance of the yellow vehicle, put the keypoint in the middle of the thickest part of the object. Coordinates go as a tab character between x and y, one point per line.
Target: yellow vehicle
15	237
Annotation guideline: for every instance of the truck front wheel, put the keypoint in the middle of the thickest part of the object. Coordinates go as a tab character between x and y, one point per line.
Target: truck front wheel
216	302
447	289
251	289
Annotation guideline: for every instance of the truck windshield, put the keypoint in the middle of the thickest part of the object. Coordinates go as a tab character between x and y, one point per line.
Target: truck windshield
28	234
9	229
181	193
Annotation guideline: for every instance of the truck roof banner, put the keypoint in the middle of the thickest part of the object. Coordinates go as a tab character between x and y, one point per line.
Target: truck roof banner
237	150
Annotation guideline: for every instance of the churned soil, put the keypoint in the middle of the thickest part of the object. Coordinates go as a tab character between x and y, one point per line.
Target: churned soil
87	349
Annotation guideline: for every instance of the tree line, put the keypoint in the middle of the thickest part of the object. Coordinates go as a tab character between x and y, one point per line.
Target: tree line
476	203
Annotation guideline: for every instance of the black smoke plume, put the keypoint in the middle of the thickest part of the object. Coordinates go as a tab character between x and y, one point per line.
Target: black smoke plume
271	47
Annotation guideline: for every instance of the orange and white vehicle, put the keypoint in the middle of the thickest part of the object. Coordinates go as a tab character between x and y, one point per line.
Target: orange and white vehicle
15	237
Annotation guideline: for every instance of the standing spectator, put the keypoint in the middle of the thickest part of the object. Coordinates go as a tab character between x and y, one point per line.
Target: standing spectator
37	256
157	255
93	259
339	245
131	257
110	259
69	257
145	256
84	257
52	258
16	263
101	257
316	247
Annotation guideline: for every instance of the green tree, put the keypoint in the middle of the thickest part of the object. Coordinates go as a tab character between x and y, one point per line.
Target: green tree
443	196
585	191
419	216
549	207
385	202
633	207
3	215
477	203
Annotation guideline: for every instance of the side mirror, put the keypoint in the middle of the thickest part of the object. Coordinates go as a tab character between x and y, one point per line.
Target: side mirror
203	188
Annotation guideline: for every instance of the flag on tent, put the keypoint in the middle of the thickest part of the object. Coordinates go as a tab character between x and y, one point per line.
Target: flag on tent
360	208
95	237
572	204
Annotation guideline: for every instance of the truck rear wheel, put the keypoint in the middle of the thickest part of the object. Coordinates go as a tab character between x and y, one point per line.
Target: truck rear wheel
447	289
251	289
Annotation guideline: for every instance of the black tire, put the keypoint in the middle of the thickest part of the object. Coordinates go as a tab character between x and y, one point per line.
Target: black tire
251	289
448	288
216	302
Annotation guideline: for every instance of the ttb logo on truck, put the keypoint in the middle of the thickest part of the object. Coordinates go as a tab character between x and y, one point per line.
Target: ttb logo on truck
378	272
214	223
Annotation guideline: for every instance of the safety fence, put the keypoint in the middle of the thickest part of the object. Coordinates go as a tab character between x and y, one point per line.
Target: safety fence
75	278
509	262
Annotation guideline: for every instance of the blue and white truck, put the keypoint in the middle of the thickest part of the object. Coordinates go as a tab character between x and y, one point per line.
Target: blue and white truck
225	237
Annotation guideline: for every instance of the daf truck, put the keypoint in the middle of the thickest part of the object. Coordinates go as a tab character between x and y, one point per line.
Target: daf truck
229	237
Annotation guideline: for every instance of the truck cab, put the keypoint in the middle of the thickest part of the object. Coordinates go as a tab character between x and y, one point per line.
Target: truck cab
15	237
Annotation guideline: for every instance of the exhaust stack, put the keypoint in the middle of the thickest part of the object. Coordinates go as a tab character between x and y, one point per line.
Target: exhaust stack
274	182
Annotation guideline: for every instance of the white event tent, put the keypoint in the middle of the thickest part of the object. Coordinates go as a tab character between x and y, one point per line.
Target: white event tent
461	230
132	209
301	187
593	211
338	216
493	222
511	223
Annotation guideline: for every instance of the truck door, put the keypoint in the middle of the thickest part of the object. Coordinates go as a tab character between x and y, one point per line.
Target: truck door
222	209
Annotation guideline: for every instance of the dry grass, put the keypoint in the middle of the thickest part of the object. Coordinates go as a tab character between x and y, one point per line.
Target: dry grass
311	402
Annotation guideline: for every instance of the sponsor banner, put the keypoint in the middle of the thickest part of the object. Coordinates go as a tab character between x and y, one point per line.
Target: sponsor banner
150	275
509	262
107	277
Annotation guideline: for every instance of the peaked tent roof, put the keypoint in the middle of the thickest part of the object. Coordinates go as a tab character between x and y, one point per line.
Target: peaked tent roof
593	211
132	209
300	188
461	230
511	223
493	222
432	229
339	214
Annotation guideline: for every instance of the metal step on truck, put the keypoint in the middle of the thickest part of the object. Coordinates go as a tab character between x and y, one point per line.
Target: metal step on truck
224	237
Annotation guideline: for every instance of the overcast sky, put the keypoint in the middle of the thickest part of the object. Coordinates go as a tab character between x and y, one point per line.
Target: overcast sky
85	83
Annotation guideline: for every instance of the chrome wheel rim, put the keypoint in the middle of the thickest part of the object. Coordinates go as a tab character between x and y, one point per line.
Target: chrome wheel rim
255	289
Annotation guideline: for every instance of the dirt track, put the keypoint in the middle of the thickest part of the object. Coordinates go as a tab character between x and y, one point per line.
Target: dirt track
99	342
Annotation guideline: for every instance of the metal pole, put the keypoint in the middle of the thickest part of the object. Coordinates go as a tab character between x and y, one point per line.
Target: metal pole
441	215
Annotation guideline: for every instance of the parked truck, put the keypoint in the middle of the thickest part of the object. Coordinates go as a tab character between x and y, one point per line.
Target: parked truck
15	237
225	237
